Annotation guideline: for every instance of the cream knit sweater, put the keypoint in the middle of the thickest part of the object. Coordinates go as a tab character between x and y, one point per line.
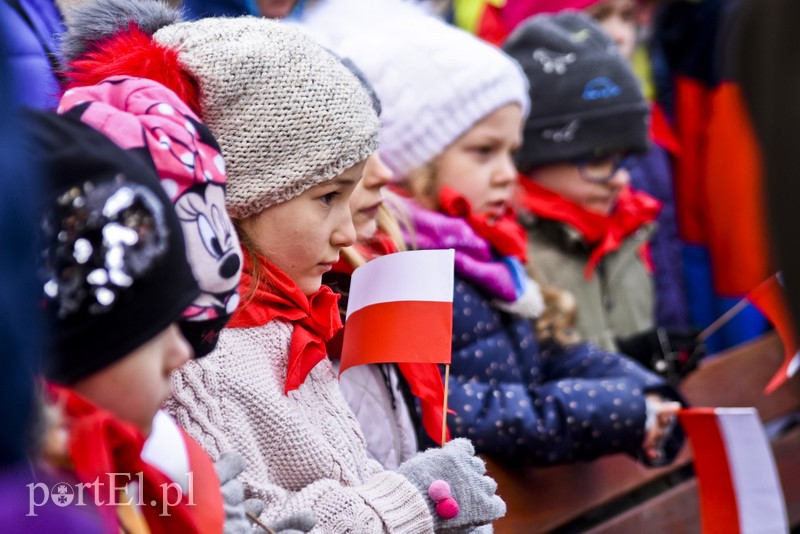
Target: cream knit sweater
304	451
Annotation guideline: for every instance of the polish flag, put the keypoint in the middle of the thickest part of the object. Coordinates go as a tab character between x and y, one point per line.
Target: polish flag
769	298
400	309
740	491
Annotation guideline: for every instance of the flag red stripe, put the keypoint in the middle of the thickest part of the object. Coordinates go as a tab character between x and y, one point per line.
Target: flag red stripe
769	299
718	508
401	331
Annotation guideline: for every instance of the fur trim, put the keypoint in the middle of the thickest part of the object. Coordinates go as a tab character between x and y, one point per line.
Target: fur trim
99	20
134	53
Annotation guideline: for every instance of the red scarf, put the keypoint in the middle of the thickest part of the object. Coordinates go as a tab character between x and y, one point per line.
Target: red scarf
315	319
604	233
505	234
423	379
100	444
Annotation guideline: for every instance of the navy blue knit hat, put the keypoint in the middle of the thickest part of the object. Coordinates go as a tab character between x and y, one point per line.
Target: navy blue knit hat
113	265
585	100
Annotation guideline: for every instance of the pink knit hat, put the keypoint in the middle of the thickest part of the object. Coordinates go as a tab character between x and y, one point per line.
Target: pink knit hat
515	11
143	115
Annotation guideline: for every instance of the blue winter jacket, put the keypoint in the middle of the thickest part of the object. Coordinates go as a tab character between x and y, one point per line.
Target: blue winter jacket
652	173
542	404
30	28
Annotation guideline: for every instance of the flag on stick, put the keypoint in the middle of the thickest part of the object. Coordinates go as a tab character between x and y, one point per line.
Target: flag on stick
400	310
737	480
769	299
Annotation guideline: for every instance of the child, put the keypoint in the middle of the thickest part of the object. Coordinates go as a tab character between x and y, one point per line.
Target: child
450	131
375	393
115	279
295	127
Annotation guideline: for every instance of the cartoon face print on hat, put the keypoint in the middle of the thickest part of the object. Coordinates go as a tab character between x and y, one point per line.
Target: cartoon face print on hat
137	113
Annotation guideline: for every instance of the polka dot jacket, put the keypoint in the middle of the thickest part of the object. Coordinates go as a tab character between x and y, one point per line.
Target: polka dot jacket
542	403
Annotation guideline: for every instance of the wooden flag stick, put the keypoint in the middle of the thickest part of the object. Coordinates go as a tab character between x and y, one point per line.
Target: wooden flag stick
722	320
444	405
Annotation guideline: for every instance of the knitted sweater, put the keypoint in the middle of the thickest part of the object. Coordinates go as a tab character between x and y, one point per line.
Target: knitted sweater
303	450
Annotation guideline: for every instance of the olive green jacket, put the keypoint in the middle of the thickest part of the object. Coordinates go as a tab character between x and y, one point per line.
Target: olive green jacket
619	298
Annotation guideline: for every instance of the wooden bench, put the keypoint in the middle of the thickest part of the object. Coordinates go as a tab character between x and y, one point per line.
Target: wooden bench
617	494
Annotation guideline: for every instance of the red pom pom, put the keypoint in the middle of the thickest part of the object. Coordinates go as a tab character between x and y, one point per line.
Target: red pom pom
132	52
447	509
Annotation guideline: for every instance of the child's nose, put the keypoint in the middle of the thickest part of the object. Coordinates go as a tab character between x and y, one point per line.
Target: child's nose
344	235
180	351
619	179
506	173
380	174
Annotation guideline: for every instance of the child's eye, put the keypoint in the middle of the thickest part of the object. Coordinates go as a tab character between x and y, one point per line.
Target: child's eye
482	150
328	198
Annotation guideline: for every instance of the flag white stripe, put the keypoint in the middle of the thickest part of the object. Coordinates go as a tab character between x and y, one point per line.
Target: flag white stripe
759	497
419	275
794	365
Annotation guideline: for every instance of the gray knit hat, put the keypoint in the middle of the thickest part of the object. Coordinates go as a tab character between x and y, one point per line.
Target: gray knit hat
287	114
434	82
585	100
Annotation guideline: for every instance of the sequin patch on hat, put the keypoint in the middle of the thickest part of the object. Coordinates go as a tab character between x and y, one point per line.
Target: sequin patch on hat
100	240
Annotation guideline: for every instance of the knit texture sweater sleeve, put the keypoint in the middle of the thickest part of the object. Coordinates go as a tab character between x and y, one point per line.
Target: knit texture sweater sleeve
304	451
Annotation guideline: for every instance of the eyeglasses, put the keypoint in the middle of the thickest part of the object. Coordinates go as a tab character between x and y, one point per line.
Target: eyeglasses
601	170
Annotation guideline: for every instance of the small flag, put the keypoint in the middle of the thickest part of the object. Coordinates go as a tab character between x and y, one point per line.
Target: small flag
769	299
400	310
739	488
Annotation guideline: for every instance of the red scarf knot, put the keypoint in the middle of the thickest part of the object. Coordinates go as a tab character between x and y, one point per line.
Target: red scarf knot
604	233
276	296
505	234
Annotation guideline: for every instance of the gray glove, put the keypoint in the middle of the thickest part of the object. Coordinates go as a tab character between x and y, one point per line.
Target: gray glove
456	464
228	467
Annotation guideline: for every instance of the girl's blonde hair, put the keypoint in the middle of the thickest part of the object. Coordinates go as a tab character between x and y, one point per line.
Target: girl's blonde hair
258	272
560	313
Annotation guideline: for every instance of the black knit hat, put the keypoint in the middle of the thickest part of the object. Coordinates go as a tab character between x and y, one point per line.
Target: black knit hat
585	100
113	264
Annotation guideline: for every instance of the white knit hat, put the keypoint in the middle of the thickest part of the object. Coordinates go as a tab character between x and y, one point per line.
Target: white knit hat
434	82
286	113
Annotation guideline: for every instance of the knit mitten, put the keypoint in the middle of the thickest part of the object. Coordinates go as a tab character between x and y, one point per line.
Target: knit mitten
474	494
228	467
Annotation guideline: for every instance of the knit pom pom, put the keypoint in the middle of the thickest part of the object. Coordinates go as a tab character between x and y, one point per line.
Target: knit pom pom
439	490
132	52
447	509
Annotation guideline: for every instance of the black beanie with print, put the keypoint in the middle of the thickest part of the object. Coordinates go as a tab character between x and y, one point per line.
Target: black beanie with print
585	100
112	266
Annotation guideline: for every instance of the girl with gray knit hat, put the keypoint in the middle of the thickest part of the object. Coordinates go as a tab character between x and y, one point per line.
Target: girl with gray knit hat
295	127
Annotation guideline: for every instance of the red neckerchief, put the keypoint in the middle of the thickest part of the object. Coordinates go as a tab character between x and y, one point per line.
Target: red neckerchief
505	234
603	233
315	319
101	444
423	379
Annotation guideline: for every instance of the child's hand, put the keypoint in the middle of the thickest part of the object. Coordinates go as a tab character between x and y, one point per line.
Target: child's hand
660	421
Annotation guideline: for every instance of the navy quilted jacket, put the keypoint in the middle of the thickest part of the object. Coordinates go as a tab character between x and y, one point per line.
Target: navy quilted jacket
542	404
31	28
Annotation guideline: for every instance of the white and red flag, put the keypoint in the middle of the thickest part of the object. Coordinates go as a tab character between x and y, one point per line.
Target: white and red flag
740	491
769	298
400	310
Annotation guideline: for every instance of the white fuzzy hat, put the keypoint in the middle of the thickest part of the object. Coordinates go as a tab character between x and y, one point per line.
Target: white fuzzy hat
434	83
